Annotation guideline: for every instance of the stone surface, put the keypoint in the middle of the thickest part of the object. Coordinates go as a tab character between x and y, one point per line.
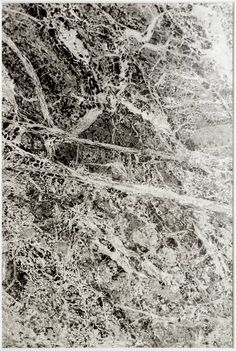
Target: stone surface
117	175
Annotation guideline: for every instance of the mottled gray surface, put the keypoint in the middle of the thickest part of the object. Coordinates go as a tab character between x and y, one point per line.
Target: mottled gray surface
117	175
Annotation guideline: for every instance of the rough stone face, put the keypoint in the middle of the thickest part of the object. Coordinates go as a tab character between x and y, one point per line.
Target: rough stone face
117	175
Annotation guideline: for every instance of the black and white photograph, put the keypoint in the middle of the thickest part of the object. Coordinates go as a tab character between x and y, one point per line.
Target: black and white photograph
117	174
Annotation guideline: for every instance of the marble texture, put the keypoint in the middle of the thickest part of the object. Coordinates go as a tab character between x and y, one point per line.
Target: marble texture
117	175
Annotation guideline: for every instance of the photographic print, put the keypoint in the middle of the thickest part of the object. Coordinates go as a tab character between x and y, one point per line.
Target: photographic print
117	148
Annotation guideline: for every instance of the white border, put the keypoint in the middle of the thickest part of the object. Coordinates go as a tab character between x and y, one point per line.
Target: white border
234	153
116	2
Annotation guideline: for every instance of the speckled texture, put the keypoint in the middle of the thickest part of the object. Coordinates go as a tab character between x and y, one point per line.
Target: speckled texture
117	175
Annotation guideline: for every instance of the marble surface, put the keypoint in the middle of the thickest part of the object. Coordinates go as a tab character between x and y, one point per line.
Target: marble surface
117	175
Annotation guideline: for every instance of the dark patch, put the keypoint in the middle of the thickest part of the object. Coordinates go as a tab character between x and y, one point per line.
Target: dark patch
22	277
100	302
199	243
171	242
66	153
203	251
